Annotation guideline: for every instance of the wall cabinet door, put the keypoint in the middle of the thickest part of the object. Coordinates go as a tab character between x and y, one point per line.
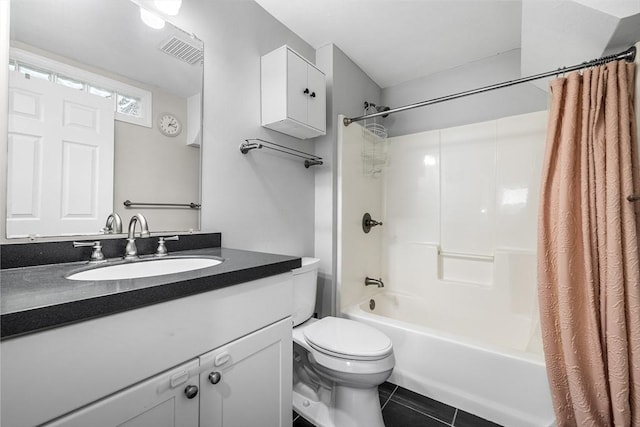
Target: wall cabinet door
297	87
293	94
317	105
248	382
169	399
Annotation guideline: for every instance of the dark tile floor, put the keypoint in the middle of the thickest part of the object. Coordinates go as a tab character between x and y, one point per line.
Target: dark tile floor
404	408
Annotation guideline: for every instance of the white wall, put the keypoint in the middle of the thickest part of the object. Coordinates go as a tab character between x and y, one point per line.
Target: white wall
347	89
510	101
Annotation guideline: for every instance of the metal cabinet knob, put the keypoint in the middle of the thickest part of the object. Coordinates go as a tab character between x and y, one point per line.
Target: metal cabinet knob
191	391
215	377
306	91
313	94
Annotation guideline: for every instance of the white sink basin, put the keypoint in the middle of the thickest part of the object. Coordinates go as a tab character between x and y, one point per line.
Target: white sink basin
144	268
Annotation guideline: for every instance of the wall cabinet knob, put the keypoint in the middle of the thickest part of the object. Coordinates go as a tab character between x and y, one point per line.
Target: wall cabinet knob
313	94
191	391
215	377
306	90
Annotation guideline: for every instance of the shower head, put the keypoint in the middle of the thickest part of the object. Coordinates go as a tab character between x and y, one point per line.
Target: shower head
381	108
378	108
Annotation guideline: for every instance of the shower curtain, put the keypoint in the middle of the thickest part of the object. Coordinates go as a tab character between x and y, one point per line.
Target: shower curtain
588	239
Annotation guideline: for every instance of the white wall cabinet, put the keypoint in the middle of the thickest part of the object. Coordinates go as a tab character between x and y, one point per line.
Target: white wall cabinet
293	94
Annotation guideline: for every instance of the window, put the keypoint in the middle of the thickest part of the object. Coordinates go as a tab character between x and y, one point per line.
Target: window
131	104
34	72
69	82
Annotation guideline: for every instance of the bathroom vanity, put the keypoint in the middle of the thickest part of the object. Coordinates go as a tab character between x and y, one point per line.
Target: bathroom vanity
209	347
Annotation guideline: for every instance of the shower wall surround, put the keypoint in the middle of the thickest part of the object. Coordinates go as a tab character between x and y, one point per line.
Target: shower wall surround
460	223
459	207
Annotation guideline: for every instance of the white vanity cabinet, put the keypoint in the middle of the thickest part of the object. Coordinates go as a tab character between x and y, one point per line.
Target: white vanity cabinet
243	383
133	368
293	94
166	400
248	382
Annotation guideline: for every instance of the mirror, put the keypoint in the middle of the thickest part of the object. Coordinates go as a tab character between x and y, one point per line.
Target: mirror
102	109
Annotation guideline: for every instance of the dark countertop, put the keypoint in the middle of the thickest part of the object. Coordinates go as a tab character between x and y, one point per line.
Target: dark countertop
41	297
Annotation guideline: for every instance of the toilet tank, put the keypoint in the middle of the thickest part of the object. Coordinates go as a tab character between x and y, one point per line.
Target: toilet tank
305	283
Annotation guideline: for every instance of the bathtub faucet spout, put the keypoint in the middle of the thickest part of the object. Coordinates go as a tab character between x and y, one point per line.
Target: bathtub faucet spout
377	282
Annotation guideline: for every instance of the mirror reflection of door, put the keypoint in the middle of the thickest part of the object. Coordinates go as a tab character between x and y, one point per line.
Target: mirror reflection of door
59	171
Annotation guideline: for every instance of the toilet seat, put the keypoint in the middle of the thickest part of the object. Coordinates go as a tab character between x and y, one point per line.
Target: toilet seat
347	339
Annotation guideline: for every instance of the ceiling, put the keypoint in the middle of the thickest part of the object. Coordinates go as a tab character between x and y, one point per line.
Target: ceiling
94	32
395	41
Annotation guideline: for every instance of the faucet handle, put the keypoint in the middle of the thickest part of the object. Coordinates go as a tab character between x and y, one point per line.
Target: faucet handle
162	249
96	255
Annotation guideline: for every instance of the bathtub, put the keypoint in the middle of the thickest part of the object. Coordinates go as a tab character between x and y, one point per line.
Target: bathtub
497	375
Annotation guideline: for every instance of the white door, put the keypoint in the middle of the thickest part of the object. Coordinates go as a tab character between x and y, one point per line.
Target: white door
161	401
248	382
60	159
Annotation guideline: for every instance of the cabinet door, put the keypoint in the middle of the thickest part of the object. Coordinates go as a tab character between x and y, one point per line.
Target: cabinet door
297	84
160	401
248	382
316	109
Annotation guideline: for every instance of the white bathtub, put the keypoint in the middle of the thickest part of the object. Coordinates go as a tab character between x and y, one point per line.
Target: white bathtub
499	375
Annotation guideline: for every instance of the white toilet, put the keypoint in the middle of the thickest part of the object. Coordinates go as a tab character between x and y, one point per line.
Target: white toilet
337	363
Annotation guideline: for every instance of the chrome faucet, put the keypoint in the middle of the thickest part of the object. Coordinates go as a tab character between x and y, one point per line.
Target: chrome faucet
377	282
113	224
131	252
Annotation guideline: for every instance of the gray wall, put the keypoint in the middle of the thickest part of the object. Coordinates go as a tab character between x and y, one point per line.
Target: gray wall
262	200
348	87
520	99
151	167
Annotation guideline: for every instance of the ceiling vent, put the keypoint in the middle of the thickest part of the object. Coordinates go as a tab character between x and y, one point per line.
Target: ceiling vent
184	49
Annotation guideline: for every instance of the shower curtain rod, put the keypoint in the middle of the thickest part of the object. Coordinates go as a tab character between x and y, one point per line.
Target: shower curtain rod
629	55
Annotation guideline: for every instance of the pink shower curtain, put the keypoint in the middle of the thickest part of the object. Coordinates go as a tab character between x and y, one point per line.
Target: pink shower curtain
588	249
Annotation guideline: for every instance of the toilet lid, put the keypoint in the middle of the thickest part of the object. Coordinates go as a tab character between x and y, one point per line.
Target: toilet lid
347	339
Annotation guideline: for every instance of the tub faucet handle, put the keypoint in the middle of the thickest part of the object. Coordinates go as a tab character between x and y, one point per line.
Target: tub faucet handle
368	222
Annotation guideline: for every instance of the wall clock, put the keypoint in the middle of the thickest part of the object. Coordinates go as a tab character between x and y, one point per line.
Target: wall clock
169	124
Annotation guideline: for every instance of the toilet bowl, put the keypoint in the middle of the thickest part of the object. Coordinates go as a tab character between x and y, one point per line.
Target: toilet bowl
338	363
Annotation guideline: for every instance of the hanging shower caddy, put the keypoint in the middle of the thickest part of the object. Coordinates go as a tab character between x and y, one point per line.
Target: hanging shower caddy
374	141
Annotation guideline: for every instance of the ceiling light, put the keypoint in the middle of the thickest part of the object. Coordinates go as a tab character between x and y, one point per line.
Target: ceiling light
151	19
168	7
